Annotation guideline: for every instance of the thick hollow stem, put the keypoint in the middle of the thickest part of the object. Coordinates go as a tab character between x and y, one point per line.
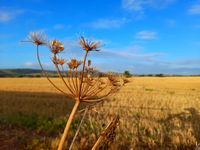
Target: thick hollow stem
62	141
97	143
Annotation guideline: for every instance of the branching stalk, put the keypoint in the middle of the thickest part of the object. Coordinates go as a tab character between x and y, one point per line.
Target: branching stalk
82	73
68	81
48	77
60	75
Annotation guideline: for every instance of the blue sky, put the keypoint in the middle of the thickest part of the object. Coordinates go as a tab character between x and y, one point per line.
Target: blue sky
142	36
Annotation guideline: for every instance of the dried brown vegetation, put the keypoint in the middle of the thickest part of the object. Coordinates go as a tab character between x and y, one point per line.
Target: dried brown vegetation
80	84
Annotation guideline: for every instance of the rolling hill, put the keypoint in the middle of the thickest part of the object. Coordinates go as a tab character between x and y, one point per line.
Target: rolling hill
25	73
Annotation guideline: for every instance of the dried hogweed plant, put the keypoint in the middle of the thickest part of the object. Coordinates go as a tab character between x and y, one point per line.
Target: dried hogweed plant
81	84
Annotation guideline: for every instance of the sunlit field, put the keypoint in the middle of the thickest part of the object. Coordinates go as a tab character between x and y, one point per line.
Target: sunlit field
155	113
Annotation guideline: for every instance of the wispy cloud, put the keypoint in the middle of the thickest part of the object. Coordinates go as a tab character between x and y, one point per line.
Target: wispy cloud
134	48
127	55
60	26
30	64
39	12
8	14
146	35
141	5
134	5
198	43
194	10
108	23
170	22
47	65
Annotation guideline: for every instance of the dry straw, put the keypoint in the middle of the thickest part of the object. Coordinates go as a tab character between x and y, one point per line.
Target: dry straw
81	85
107	137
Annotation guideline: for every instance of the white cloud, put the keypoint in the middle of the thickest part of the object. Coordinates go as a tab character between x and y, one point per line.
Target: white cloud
30	64
194	10
134	5
46	65
141	5
7	14
108	23
146	35
60	26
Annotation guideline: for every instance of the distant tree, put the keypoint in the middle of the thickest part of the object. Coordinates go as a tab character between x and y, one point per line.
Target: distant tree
159	75
20	76
127	74
37	76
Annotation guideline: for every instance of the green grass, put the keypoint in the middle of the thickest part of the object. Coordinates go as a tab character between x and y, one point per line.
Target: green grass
35	122
38	123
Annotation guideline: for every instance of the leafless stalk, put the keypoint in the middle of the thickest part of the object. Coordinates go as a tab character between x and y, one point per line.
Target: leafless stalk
81	85
76	134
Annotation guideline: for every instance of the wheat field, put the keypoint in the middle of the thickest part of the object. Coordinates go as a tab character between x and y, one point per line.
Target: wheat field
155	113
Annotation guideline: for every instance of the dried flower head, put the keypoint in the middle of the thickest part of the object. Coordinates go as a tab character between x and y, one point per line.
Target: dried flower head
125	80
37	38
61	61
55	46
54	60
112	78
89	45
74	63
91	70
89	63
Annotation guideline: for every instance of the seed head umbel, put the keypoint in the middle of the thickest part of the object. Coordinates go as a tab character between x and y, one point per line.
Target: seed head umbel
89	45
55	46
37	38
73	64
59	61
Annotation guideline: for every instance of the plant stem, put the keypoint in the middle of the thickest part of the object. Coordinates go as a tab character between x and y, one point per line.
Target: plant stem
82	74
48	77
86	110
68	125
97	143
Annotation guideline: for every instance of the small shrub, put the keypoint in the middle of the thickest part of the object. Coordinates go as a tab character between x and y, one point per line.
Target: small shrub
127	74
159	75
37	76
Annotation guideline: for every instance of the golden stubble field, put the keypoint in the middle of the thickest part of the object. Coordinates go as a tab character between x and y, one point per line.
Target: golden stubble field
155	113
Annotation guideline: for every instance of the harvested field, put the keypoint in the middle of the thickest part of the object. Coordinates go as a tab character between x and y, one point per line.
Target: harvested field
155	113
